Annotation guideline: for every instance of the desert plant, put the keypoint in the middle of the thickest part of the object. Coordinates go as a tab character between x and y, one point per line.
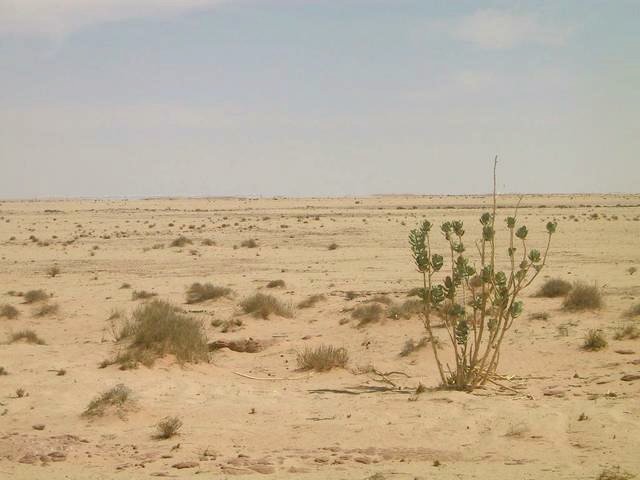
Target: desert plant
276	284
615	473
594	341
311	300
484	302
631	270
117	397
332	246
411	346
3	371
539	316
33	296
207	242
322	358
46	309
159	328
261	305
168	427
406	309
142	295
629	331
250	243
583	297
199	292
367	313
554	287
181	241
8	311
633	311
384	299
29	336
125	286
53	271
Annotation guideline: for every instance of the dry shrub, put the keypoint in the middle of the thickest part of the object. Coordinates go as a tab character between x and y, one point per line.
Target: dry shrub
406	309
28	336
168	427
539	316
142	295
207	242
3	371
554	287
261	306
276	284
629	331
583	297
46	309
33	296
633	311
322	358
411	346
594	341
615	473
384	299
118	398
53	271
225	326
416	292
332	246
125	286
311	300
368	313
8	311
199	292
181	241
250	243
159	328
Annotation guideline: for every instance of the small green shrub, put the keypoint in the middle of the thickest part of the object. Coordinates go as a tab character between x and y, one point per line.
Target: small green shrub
583	297
368	313
311	300
118	398
276	284
322	358
199	292
555	287
9	311
594	341
33	296
168	427
261	306
28	336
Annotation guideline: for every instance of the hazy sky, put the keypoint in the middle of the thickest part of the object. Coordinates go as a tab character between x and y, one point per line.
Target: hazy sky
317	97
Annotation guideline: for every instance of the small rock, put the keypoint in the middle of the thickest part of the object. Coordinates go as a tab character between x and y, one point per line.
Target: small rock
38	426
182	465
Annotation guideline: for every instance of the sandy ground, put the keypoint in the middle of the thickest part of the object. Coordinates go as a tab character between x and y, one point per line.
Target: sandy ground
308	427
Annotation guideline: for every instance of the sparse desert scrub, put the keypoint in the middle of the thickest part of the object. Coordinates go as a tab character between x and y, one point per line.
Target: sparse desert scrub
53	271
207	242
594	341
322	358
181	241
411	346
476	331
583	297
261	306
117	398
28	336
332	246
230	325
276	284
46	309
199	292
406	309
159	328
629	331
33	296
384	299
554	287
367	313
8	311
125	286
615	473
168	427
539	316
142	295
249	243
311	300
633	311
3	371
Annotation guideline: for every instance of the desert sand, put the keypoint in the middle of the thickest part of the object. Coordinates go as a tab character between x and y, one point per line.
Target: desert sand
566	413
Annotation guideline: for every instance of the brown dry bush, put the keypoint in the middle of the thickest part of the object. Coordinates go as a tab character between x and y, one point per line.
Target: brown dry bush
168	427
411	346
142	295
33	296
3	371
261	306
583	297
250	243
554	287
594	341
199	292
8	311
615	473
385	299
276	284
322	358
311	300
118	398
332	246
633	311
181	241
53	271
28	336
46	309
629	331
368	313
405	310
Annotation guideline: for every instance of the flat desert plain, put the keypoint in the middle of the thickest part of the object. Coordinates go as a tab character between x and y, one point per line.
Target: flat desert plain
559	411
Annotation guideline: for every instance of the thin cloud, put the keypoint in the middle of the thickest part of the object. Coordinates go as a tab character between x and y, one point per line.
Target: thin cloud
59	17
498	30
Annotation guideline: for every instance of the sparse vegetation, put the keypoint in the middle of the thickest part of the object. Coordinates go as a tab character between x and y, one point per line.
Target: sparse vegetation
3	371
583	297
261	306
322	358
28	336
615	473
411	346
539	316
181	241
629	331
250	243
33	296
368	313
276	284
406	309
9	311
117	398
554	287
53	271
46	309
594	341
332	246
633	311
311	301
168	427
384	299
142	295
199	292
125	286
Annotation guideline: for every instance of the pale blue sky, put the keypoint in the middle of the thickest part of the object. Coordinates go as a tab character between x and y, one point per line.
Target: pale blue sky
318	97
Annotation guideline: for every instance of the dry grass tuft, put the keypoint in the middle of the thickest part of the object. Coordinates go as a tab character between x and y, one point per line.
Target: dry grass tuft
539	316
46	309
629	331
368	313
276	284
33	296
9	311
406	309
250	243
199	292
594	341
332	246
28	336
583	297
633	311
261	306
53	271
168	427
3	371
411	346
384	299
322	358
142	295
311	300
180	242
615	473
118	398
554	287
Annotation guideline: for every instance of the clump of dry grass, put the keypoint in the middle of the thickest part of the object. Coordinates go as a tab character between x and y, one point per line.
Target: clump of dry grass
125	286
225	326
554	287
405	310
633	311
207	242
368	313
411	346
28	336
629	331
168	427
53	271
3	371
332	246
261	306
416	292
199	292
117	398
181	241
250	243
615	473
142	295
9	311
322	358
311	300
46	309
159	328
594	341
33	296
384	299
583	297
276	284
539	316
